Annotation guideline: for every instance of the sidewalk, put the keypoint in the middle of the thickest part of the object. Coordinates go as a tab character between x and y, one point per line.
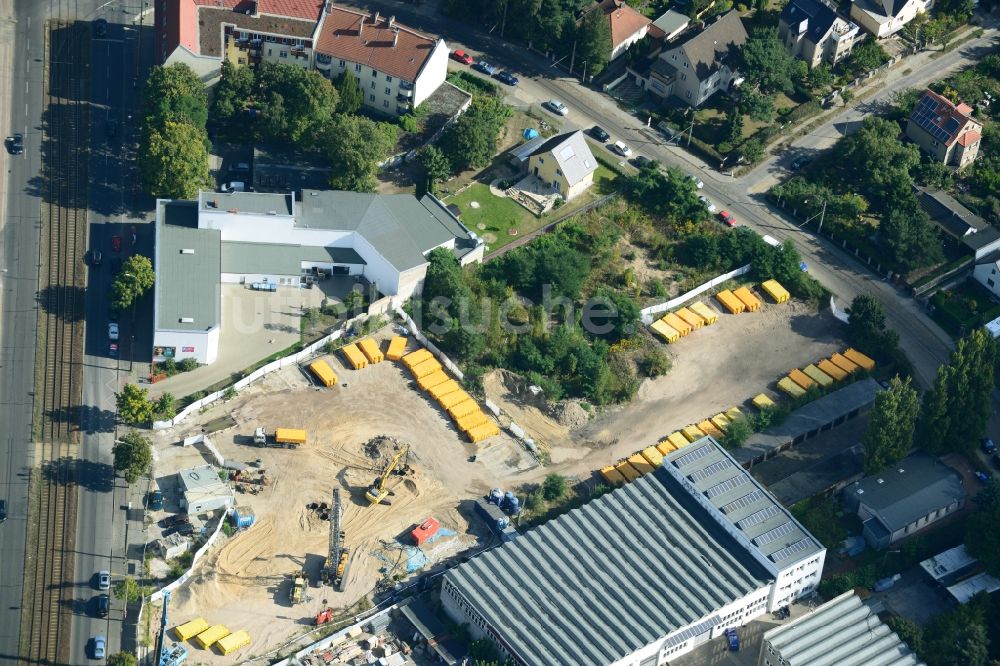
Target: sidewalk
130	540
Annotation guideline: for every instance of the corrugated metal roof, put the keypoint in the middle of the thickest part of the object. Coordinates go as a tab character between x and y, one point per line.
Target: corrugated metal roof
604	580
842	632
187	262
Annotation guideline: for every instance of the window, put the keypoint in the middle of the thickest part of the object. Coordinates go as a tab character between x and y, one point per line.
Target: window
270	52
373	85
990	282
558	172
673	57
388	78
688	94
541	160
283	54
374	73
686	64
371	98
342	63
357	68
385	103
684	77
388	91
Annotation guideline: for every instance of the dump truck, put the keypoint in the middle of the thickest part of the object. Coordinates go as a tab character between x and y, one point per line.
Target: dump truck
288	438
297	593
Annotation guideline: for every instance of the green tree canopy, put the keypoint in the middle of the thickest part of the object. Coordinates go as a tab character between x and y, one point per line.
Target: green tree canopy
867	328
173	161
127	589
890	429
296	104
472	140
134	406
174	94
867	55
758	106
134	280
122	659
594	41
909	235
982	537
351	96
554	487
232	95
355	146
767	63
669	194
876	160
436	165
133	455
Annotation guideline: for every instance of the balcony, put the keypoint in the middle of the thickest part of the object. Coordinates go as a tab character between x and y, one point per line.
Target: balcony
323	61
404	94
404	100
406	86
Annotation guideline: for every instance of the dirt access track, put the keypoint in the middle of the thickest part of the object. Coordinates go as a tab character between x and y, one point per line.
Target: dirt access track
244	581
714	368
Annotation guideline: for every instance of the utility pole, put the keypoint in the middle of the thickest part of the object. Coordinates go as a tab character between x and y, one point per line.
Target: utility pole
572	57
584	78
503	21
822	216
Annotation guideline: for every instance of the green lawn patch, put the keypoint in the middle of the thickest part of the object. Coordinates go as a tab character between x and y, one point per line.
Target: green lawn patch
604	180
494	216
963	308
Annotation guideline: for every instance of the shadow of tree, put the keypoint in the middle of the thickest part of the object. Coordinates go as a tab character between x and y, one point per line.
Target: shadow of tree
52	300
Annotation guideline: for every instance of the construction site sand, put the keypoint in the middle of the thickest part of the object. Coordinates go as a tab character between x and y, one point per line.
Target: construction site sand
714	368
244	581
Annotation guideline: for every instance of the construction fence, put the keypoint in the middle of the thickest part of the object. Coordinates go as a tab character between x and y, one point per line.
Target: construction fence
649	314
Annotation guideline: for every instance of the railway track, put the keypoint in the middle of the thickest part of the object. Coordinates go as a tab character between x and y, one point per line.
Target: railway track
48	569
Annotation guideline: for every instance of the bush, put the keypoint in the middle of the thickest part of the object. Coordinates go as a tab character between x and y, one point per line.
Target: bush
554	487
188	364
409	123
654	363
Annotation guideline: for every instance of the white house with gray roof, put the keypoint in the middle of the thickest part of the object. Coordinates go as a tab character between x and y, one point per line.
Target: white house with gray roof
643	574
842	632
251	237
564	163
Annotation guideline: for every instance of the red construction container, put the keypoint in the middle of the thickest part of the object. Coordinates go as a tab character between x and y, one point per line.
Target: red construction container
425	531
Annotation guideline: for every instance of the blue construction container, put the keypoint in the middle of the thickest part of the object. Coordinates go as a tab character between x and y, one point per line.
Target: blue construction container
242	518
495	496
513	505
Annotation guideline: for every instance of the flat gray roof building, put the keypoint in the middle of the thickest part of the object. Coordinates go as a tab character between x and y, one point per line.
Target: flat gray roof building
279	259
841	632
187	259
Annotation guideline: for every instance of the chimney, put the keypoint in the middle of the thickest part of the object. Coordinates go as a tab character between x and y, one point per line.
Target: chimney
375	22
392	21
361	26
395	36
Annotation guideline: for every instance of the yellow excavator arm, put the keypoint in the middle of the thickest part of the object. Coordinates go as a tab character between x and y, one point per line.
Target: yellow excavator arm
377	491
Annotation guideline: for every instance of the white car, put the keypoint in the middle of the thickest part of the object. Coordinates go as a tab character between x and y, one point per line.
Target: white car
697	181
621	149
557	107
112	331
233	186
708	204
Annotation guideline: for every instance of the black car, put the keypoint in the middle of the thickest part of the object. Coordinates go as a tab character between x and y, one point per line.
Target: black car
176	519
3	511
800	162
598	133
15	144
641	161
184	529
101	27
103	605
507	78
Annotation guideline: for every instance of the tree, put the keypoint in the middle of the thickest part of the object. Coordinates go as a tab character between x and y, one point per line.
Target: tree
820	77
867	56
134	280
133	456
909	235
296	104
908	631
737	432
982	537
876	161
471	141
174	94
959	10
133	405
351	95
867	329
594	41
164	407
436	165
935	414
173	160
122	659
767	63
669	194
752	150
958	636
127	589
554	487
232	97
355	146
759	107
821	516
654	363
890	429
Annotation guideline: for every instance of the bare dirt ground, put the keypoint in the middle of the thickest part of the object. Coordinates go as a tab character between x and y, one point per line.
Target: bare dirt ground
244	581
714	369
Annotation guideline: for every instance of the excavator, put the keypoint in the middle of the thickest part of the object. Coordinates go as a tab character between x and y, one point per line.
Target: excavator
336	560
377	492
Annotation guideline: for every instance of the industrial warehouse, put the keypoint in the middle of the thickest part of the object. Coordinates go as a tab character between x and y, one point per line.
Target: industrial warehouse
684	553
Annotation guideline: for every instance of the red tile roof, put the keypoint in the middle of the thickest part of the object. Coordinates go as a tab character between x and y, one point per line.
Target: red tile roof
969	137
937	116
396	50
307	10
624	20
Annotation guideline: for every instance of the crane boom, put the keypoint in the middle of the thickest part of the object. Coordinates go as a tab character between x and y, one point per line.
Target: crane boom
336	561
377	491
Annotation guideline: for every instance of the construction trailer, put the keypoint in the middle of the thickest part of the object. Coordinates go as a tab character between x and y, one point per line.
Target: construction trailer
208	638
844	363
233	642
640	464
652	456
427	382
860	359
626	470
692	319
801	378
665	447
444	388
480	432
692	433
425	368
470	406
323	372
791	388
761	401
721	421
354	356
416	357
190	629
676	323
612	476
424	531
818	375
831	369
454	398
335	567
470	421
730	302
678	439
396	349
709	428
371	351
665	331
775	290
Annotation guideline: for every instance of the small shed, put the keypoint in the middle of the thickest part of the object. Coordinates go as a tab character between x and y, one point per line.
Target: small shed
424	531
203	491
242	517
172	545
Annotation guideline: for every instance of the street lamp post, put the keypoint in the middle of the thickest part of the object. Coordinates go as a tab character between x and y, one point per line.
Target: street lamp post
821	215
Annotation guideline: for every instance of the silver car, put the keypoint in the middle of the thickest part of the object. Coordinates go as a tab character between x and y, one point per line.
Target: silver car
104	580
557	107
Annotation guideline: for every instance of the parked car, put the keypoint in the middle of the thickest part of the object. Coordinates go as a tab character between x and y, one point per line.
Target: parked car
100	647
94	257
176	519
800	162
3	511
101	27
621	149
462	57
640	161
734	640
112	331
987	446
556	107
113	349
697	181
598	133
727	218
156	500
708	203
184	529
233	186
983	477
485	68
116	243
102	605
507	78
15	144
104	580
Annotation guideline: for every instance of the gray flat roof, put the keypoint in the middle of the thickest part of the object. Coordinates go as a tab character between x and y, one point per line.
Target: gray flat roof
816	414
610	577
259	203
187	263
910	489
278	259
841	632
399	226
743	502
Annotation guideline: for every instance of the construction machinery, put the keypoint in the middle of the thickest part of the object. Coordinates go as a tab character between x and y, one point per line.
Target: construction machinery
323	616
333	573
172	654
378	492
297	594
289	438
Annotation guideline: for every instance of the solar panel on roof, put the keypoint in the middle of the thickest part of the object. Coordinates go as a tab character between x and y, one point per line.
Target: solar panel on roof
706	472
797	547
744	501
727	485
688	458
776	533
951	126
758	517
700	628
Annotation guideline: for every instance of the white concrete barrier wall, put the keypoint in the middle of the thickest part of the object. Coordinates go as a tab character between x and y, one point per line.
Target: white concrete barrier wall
158	595
411	326
837	312
648	313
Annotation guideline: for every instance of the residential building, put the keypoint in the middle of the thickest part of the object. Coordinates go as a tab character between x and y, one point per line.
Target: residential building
905	498
643	574
987	273
960	574
843	631
627	25
813	31
976	235
565	163
669	25
884	18
203	491
252	237
704	63
946	131
396	66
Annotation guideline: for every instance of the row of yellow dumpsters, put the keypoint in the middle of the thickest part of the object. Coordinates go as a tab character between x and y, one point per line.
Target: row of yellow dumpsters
673	326
201	634
824	373
431	377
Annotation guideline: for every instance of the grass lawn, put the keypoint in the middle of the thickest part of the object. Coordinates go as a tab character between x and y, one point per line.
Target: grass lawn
604	179
494	216
966	306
